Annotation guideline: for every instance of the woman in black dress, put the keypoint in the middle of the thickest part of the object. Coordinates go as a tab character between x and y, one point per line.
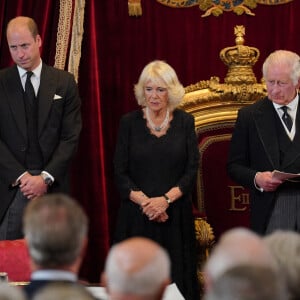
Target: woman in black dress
156	163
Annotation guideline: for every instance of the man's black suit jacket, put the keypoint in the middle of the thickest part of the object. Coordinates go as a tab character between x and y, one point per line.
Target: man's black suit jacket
36	285
59	126
254	148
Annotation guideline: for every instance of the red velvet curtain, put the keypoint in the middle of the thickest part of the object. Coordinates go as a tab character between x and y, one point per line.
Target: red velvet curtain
180	36
115	48
91	169
88	169
45	14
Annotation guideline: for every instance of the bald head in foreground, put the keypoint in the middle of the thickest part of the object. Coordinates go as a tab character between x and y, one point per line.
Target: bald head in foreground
237	246
137	268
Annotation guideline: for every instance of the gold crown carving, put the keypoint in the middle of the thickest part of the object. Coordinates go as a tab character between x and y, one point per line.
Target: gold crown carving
240	86
240	59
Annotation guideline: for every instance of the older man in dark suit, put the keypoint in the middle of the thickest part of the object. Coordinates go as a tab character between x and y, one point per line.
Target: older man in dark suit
40	123
267	138
56	232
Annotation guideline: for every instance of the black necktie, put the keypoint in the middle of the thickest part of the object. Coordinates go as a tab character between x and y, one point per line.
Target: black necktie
287	118
29	90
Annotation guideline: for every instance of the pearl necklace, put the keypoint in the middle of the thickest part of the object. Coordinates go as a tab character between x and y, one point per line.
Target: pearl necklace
162	125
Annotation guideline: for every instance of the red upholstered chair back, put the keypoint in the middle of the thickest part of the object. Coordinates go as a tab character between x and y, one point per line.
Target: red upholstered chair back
223	203
14	259
226	204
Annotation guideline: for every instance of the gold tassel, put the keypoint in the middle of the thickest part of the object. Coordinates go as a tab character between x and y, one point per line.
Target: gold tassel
134	8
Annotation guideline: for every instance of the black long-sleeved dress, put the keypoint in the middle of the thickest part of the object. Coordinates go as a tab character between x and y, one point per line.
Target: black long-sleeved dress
154	165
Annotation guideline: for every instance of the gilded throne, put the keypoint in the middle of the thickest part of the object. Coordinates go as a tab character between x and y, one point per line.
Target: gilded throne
221	203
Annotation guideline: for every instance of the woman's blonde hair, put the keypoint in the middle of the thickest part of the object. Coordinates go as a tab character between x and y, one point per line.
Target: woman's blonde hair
159	71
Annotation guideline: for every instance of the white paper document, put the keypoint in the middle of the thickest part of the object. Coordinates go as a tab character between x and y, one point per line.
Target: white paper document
284	176
171	292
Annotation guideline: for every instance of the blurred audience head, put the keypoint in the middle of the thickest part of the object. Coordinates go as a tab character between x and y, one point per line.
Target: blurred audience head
10	292
137	268
236	246
247	282
285	246
55	228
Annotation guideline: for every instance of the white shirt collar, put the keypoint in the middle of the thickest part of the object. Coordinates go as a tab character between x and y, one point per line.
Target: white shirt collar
53	275
37	71
292	112
292	105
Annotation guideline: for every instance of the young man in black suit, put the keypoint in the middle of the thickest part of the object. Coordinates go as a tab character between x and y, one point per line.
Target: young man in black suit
40	123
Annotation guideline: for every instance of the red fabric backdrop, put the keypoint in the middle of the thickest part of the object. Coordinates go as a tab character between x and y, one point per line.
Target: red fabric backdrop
115	49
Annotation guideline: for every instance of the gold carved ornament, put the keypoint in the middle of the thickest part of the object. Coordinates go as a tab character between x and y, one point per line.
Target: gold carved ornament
134	8
211	7
213	102
205	241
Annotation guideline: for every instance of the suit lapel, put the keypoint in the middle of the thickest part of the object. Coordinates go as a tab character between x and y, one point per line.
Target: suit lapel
264	118
14	92
45	95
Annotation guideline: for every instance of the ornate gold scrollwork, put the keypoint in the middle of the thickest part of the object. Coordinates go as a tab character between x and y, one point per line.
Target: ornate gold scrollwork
213	102
211	7
216	7
205	241
273	2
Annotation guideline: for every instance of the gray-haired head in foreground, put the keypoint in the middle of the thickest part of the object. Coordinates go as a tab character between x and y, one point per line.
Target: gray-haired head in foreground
248	282
237	246
285	246
137	266
11	292
55	227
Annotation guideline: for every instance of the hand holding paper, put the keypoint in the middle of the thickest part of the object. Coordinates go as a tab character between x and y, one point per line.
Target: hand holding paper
283	175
